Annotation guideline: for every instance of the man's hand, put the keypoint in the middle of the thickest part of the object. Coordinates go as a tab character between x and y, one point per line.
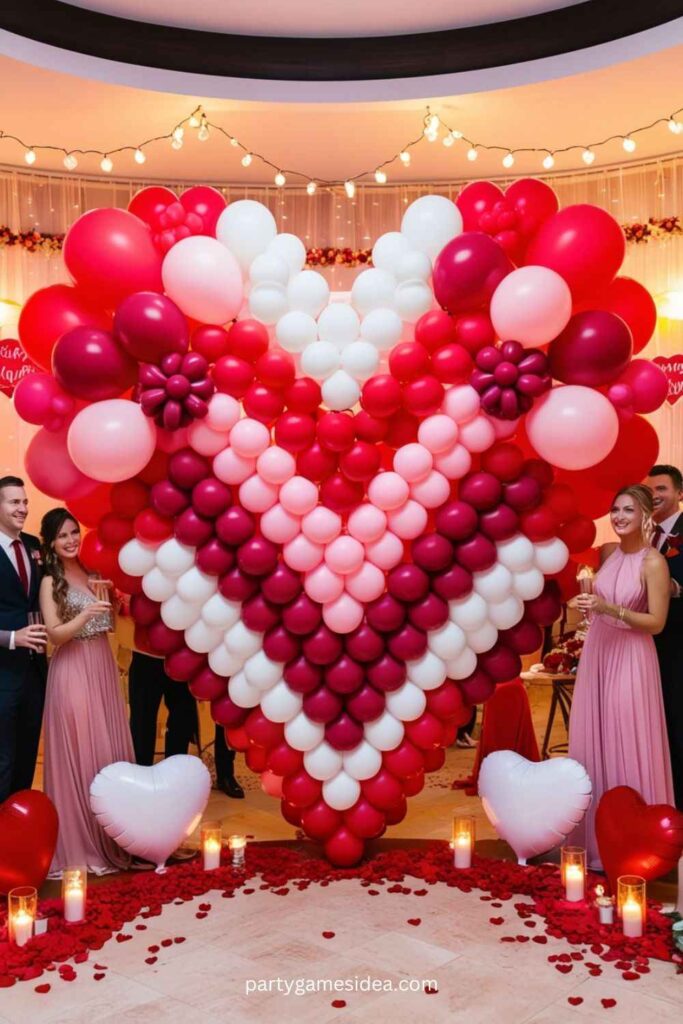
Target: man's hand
33	637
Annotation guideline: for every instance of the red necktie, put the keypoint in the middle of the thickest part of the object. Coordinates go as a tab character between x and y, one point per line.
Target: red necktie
21	564
656	536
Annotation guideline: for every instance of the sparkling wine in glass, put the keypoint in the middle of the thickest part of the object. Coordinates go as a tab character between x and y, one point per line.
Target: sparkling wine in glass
585	577
36	619
100	589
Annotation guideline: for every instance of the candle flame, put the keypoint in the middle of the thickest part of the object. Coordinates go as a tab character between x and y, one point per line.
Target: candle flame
599	890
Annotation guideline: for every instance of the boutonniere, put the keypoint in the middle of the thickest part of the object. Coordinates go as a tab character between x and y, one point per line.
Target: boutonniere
674	542
36	556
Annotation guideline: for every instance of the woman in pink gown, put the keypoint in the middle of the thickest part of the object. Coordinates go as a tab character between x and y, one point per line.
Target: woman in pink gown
85	722
617	728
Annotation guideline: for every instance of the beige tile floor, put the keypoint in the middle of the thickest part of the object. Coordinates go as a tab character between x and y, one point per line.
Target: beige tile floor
263	938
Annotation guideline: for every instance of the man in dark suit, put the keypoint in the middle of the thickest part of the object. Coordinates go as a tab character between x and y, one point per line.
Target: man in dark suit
666	484
23	667
147	685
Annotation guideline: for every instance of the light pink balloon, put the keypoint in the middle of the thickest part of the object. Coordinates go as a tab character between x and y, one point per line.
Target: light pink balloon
413	462
249	438
438	433
343	615
573	427
256	495
111	441
299	495
204	280
461	403
232	468
321	525
367	583
432	491
271	784
386	552
532	305
477	435
388	491
455	463
275	465
504	428
367	523
224	412
409	521
302	554
204	440
344	555
323	585
279	525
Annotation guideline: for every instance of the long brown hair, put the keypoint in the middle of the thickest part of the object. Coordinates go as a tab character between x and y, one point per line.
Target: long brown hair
50	526
642	495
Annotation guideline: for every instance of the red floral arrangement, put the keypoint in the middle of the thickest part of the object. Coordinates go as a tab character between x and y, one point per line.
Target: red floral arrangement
674	545
564	657
330	256
652	229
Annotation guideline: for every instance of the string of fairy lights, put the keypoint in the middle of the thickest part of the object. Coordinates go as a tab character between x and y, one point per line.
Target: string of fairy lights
433	128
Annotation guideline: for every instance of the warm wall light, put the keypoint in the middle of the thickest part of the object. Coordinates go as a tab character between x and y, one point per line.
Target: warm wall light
670	305
9	312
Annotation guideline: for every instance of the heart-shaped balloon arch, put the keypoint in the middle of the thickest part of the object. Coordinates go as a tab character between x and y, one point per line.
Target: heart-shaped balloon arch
341	522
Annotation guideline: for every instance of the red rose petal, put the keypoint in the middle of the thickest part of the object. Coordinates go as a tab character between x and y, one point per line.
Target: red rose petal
496	920
630	976
564	968
45	987
540	939
99	976
575	1000
166	943
178	939
415	921
338	1003
100	967
201	914
150	949
151	959
608	1003
140	927
328	935
123	938
429	990
205	906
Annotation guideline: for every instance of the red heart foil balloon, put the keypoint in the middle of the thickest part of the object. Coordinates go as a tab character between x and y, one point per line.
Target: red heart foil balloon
635	838
28	835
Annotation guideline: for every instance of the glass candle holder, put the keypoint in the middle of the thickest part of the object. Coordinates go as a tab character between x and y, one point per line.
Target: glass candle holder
462	840
237	846
573	868
74	891
632	904
22	907
605	905
212	840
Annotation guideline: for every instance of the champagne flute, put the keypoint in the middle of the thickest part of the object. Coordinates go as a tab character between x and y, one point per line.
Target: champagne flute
585	577
36	619
100	589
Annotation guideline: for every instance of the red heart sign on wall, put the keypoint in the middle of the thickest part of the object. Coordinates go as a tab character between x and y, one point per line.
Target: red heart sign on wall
673	368
14	365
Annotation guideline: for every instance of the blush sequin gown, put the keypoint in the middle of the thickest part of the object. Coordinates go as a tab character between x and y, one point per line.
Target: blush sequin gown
617	728
86	728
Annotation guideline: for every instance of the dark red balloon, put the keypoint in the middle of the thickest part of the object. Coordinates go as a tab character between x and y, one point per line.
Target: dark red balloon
468	271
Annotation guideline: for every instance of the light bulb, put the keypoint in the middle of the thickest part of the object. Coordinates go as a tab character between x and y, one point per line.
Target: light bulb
30	156
456	134
234	142
194	121
404	157
675	126
280	179
508	160
70	162
247	159
629	144
139	156
203	132
431	128
548	161
106	164
350	188
311	188
472	153
588	156
380	177
178	133
176	143
448	141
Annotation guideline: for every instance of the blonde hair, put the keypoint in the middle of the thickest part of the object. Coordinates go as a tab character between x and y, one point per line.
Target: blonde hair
642	495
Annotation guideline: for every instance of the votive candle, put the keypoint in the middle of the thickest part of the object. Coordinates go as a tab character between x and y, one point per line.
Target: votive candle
237	846
74	884
212	841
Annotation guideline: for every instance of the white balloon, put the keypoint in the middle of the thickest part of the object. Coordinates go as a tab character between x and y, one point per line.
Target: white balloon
340	391
360	359
550	556
202	638
517	553
382	328
196	586
149	809
389	249
268	302
246	228
320	359
243	641
323	762
280	704
242	693
261	672
493	584
218	611
157	586
468	612
136	558
428	672
447	642
363	761
303	734
533	806
223	663
482	639
385	733
339	324
462	666
341	792
430	222
528	584
175	558
373	289
268	269
295	330
203	279
309	292
413	266
290	249
178	614
413	299
407	703
532	304
506	614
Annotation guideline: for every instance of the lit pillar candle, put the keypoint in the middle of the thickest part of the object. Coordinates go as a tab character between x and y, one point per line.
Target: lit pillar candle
462	851
211	836
573	882
632	919
22	927
632	904
74	882
237	848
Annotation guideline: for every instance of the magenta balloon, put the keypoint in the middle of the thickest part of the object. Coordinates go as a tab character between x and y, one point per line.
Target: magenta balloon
409	643
524	638
167	499
257	556
215	558
237	586
501	663
476	554
184	664
366	704
186	468
365	643
429	613
481	490
51	469
109	253
593	349
387	673
144	610
344	676
206	685
454	583
323	647
468	271
88	363
344	733
210	497
364	820
500	523
302	676
322	705
148	326
648	383
282	585
408	582
280	645
163	639
302	616
477	688
523	494
207	203
456	520
192	529
432	552
34	396
235	525
385	614
545	609
226	713
259	615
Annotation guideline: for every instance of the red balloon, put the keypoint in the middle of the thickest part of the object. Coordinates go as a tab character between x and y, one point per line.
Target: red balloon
593	349
206	685
383	790
582	243
290	813
115	530
425	732
210	342
648	385
452	364
344	848
90	509
534	203
592	500
150	202
474	200
303	395
97	557
51	469
301	790
88	363
404	760
294	431
336	431
634	304
226	713
164	640
283	760
539	524
237	739
524	637
144	610
409	360
128	498
423	396
413	785
256	759
110	254
397	812
28	826
275	369
320	820
477	687
184	664
468	271
381	395
474	331
632	457
207	203
364	820
446	702
435	759
435	329
545	608
635	838
578	534
248	339
51	312
500	663
150	526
